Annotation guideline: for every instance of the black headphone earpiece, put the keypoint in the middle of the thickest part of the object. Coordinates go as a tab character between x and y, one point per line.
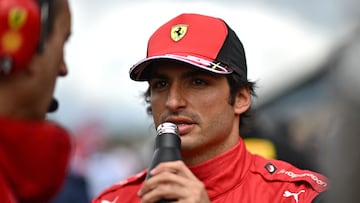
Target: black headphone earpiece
44	6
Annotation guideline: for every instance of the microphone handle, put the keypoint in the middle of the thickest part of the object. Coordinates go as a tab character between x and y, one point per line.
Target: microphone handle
167	148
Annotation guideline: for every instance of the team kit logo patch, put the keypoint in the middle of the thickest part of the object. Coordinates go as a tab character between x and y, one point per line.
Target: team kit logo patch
178	32
12	39
270	168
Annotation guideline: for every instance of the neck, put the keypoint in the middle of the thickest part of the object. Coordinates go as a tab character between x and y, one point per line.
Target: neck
14	107
212	149
7	105
10	91
196	157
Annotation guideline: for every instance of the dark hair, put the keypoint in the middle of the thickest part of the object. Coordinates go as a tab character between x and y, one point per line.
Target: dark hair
236	82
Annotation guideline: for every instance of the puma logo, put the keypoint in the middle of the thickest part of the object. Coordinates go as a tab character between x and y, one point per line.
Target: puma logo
107	201
295	195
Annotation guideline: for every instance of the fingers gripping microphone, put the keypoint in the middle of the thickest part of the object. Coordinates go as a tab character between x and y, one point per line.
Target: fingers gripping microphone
167	147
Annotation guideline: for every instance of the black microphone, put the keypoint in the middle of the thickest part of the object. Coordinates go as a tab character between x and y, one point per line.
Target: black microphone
53	106
167	147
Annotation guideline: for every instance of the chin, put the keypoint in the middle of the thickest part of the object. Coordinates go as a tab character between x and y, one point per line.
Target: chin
186	144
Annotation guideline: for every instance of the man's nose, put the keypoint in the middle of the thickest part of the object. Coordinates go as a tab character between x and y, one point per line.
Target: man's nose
175	99
63	69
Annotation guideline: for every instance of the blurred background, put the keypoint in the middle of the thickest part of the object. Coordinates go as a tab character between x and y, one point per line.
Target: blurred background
293	51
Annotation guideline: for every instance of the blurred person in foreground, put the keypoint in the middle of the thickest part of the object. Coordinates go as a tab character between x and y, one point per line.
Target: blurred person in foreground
197	75
34	152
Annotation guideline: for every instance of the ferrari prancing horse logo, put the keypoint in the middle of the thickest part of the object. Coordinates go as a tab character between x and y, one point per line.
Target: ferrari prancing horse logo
178	32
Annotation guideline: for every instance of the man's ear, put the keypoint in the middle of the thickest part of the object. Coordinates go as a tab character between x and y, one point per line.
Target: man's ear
242	101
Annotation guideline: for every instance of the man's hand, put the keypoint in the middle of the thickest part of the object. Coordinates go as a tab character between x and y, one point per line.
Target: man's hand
173	180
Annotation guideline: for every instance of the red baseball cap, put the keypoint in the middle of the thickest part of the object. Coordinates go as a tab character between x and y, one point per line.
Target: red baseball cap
203	41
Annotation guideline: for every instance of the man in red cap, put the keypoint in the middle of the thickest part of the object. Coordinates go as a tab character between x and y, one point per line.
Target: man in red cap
197	74
34	152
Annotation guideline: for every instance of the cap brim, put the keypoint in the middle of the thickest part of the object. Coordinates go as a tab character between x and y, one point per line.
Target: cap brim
138	73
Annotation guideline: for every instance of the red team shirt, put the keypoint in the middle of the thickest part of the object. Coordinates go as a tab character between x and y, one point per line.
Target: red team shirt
33	160
237	176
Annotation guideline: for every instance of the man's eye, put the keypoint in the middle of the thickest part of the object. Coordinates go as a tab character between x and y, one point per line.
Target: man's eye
198	81
159	84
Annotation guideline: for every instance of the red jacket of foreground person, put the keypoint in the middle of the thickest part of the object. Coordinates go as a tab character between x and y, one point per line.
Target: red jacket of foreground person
33	160
238	176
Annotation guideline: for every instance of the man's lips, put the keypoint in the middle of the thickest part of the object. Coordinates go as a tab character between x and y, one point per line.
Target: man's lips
185	125
185	128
